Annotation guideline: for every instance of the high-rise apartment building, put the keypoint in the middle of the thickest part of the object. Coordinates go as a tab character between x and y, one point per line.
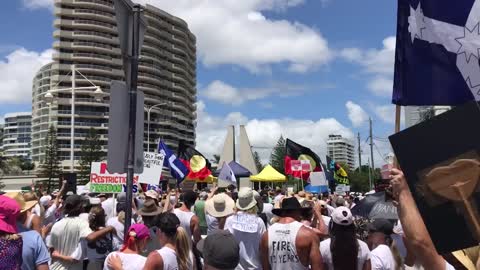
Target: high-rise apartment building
341	149
17	135
416	114
86	36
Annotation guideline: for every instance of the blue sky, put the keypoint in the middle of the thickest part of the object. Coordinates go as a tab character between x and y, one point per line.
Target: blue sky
286	67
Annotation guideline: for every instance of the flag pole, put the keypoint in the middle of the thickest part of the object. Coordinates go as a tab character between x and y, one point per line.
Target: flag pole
398	111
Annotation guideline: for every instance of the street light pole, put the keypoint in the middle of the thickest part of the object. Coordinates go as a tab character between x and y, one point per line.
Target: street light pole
72	123
148	123
97	94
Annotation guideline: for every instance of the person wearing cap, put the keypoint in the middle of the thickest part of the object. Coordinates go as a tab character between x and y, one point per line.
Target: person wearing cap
10	242
152	195
27	218
288	244
220	251
247	228
118	221
176	251
129	255
148	212
343	250
379	241
199	210
217	209
188	220
67	233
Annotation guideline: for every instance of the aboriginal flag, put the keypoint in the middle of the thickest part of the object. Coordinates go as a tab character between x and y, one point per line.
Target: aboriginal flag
197	164
296	152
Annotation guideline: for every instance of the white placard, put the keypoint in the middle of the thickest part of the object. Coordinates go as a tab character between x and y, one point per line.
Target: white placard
152	168
318	179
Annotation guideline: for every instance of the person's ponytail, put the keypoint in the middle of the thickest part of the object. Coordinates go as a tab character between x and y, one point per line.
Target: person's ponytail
130	242
182	248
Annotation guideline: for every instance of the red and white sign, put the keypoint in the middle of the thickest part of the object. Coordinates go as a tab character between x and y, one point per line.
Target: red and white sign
296	165
306	167
300	165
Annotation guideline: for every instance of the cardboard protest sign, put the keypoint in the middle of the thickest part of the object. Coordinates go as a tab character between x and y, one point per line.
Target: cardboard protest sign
101	181
440	158
152	168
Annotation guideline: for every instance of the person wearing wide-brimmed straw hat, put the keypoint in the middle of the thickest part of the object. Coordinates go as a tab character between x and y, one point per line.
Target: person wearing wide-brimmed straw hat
217	209
27	218
247	228
301	241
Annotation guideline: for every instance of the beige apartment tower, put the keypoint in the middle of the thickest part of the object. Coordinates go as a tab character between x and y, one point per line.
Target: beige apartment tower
86	36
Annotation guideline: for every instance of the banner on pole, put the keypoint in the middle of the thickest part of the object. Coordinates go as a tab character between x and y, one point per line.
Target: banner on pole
101	181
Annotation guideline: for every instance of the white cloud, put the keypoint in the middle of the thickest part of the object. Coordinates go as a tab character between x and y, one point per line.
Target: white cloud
264	133
239	33
17	72
227	94
34	4
356	114
386	113
381	86
378	63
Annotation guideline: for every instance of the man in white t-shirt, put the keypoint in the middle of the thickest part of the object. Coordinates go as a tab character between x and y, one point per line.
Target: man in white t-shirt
68	232
379	232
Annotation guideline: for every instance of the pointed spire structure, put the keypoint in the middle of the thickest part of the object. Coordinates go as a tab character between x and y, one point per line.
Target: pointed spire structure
228	153
246	156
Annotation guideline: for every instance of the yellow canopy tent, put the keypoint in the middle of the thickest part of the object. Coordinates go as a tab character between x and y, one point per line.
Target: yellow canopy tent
268	174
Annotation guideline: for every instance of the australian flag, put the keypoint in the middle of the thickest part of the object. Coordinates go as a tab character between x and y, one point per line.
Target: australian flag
177	169
437	52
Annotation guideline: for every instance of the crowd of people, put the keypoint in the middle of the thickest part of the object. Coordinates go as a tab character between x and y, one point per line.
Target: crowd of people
216	228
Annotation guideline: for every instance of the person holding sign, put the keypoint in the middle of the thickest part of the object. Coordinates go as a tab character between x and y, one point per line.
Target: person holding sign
416	234
247	228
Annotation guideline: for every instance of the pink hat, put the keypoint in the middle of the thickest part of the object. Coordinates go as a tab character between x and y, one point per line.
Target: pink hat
139	231
9	211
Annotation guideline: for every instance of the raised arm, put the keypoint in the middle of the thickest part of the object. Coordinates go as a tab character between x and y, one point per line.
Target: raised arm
414	228
264	251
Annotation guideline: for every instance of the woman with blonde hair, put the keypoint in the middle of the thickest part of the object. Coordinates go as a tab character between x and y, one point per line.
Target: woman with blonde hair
176	250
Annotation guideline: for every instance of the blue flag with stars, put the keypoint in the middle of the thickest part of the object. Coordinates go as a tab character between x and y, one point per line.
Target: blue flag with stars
177	169
437	52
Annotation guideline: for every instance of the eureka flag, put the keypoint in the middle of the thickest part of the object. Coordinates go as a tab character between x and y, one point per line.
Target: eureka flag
437	52
177	169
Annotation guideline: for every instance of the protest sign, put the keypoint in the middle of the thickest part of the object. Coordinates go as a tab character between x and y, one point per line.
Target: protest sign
152	168
101	181
433	148
318	179
341	190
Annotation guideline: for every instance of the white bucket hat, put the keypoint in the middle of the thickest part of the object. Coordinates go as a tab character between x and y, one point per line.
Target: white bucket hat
221	205
246	199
